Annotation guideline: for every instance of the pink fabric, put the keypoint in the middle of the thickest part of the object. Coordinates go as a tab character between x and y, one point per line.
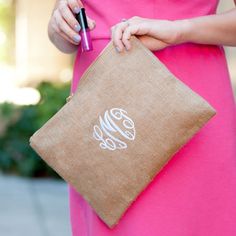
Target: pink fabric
195	194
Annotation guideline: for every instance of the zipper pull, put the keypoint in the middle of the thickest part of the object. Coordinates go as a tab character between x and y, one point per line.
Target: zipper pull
69	97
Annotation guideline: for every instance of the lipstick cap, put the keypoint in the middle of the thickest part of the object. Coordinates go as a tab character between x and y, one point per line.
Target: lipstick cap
81	18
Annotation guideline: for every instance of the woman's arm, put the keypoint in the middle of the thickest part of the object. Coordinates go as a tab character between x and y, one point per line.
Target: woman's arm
157	34
63	28
212	29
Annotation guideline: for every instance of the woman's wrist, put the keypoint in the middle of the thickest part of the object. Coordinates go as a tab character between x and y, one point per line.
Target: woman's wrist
215	29
184	30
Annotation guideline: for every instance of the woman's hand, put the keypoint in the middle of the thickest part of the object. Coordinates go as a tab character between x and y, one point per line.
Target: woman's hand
154	34
63	28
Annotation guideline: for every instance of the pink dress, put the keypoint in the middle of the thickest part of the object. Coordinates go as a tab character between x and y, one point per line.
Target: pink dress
195	194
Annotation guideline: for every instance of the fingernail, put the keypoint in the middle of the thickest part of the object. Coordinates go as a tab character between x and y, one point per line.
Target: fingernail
117	49
76	10
77	28
126	49
76	38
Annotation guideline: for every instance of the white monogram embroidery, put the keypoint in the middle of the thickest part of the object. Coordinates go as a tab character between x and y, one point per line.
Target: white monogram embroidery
108	129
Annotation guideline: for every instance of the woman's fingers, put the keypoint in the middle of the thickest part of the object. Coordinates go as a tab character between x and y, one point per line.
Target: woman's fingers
67	13
66	24
65	29
133	29
122	32
70	33
75	5
141	27
58	30
117	32
66	37
91	23
130	30
69	17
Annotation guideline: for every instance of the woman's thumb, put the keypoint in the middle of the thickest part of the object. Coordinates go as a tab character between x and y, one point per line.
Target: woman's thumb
91	23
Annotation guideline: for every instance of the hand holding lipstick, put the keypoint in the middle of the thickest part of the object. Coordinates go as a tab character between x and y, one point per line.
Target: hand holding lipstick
63	28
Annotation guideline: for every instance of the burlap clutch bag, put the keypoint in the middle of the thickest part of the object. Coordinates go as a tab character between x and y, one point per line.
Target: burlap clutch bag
128	117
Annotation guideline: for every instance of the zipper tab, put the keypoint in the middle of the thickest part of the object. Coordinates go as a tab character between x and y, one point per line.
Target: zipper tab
69	98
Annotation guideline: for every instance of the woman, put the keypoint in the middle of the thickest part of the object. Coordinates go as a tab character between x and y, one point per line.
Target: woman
195	194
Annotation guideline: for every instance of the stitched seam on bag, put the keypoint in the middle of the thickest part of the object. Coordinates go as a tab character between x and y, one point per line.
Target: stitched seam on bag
104	51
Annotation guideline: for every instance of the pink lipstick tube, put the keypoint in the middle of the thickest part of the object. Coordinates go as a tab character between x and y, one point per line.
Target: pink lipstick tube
86	42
